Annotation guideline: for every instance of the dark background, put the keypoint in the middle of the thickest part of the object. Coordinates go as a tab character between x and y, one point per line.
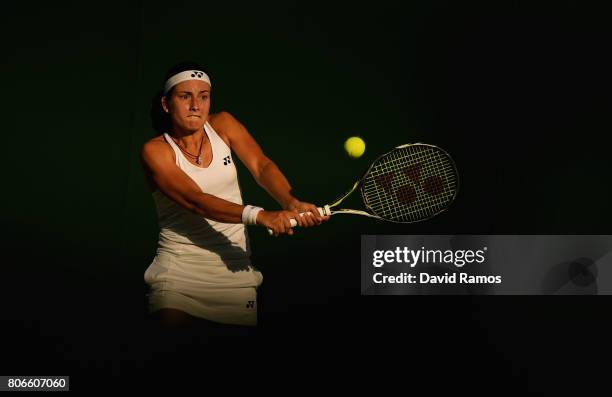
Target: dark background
517	92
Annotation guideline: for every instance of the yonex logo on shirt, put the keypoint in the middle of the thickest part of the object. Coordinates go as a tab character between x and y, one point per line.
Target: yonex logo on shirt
250	304
227	160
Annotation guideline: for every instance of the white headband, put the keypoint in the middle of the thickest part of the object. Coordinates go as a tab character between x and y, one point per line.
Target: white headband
184	76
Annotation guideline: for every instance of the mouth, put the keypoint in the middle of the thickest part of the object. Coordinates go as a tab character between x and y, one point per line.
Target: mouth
193	115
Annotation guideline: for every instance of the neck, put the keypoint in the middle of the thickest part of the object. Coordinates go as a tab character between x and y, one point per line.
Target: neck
188	139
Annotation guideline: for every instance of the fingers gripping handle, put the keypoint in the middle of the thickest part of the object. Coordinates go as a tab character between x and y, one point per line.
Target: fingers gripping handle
324	211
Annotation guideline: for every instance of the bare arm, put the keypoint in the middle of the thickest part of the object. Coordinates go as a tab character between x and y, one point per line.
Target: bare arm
270	177
158	161
264	170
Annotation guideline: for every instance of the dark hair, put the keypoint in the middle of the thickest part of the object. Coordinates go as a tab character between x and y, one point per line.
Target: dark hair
160	120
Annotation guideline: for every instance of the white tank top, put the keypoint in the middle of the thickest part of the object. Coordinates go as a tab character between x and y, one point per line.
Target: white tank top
215	253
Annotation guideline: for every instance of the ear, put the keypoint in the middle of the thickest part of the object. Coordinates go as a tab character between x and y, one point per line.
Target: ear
164	104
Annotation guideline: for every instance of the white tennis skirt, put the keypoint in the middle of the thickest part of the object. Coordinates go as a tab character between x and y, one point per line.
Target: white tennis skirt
201	288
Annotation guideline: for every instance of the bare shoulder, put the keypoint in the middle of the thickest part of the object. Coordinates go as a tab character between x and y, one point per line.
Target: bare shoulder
155	140
224	124
221	119
156	148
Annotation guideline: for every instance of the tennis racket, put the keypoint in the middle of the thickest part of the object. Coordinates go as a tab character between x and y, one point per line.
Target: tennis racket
411	183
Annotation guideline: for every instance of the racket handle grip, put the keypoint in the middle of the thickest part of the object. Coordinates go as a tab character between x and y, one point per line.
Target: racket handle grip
324	211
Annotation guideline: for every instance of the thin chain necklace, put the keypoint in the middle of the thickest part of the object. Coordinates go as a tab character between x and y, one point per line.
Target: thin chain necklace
192	156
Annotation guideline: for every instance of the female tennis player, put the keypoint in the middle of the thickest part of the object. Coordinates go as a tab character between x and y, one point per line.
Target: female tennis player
202	271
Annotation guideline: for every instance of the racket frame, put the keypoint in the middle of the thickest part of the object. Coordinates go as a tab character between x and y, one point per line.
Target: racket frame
328	209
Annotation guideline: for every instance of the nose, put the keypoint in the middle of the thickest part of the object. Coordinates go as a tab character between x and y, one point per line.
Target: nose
194	105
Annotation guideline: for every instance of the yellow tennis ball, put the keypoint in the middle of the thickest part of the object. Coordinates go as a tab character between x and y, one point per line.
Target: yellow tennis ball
354	146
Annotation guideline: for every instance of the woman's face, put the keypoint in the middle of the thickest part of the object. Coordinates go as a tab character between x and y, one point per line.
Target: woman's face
188	105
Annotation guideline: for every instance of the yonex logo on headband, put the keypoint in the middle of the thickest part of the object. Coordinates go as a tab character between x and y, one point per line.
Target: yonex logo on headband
184	76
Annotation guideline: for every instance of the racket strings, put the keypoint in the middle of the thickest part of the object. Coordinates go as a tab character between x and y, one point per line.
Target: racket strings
410	183
422	199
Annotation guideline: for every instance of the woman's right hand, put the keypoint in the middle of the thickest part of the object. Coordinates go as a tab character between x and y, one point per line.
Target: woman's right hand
277	221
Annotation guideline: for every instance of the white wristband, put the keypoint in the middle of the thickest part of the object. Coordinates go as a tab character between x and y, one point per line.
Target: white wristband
253	215
249	214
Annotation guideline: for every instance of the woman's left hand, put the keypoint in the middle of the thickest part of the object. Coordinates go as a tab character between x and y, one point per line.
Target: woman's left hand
310	215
